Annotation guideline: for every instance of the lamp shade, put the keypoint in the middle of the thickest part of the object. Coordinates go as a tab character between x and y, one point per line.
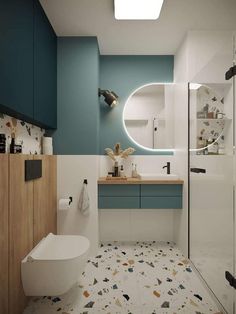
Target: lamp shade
109	97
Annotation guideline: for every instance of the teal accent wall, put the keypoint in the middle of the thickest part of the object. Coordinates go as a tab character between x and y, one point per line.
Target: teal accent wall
85	124
78	105
123	75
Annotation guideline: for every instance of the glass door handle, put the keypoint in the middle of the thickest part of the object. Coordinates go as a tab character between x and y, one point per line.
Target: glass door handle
198	170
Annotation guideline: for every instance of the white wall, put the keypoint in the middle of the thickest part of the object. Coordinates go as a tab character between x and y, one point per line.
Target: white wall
72	170
181	156
203	57
181	62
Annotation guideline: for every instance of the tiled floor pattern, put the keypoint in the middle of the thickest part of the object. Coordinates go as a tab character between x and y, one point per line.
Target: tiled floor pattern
136	278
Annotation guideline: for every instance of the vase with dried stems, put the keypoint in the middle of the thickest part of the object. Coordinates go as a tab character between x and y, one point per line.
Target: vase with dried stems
117	154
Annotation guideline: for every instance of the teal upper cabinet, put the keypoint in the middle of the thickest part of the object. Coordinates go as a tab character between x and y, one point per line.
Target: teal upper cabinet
45	69
16	57
28	63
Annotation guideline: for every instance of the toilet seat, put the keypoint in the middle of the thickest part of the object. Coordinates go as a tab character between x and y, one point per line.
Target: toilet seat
56	247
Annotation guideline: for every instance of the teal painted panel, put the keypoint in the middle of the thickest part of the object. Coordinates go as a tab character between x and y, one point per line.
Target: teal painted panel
77	94
118	202
174	202
16	58
161	190
118	190
123	75
45	69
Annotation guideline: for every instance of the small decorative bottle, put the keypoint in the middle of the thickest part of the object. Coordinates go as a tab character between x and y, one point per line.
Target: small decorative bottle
116	169
2	143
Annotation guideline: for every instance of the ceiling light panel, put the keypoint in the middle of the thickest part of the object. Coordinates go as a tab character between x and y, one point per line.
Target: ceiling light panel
137	9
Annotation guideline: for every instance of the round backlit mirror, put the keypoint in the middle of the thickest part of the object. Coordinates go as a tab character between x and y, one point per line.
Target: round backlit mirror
148	116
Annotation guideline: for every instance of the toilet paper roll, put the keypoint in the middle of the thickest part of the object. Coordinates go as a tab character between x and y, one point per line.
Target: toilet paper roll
47	146
47	150
64	203
47	140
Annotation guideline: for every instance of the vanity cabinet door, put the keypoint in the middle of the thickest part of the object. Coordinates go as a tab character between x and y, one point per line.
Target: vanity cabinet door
118	190
119	196
121	202
161	196
161	202
161	190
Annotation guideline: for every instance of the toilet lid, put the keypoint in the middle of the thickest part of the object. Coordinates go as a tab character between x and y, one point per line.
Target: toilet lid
60	247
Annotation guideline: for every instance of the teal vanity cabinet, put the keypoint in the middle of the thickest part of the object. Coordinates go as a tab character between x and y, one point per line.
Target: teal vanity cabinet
140	194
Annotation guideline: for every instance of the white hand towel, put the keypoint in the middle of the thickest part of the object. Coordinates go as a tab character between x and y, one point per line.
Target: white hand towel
84	200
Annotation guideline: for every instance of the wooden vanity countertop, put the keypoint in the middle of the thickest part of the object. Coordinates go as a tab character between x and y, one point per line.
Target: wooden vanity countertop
103	180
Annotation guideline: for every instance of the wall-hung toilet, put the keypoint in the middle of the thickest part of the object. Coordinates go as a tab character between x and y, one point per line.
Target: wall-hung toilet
55	265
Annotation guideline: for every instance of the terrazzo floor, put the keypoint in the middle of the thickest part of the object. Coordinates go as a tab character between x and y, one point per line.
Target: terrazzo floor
135	278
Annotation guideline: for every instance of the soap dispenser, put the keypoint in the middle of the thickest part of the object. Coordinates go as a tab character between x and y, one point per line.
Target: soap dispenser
122	172
134	171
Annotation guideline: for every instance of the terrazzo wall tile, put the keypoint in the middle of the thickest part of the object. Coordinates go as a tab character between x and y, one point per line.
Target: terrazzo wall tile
209	101
27	135
135	278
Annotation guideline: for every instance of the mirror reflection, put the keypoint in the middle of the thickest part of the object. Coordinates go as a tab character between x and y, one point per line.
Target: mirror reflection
149	116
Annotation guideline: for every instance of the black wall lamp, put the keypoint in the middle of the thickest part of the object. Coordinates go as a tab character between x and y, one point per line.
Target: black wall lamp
110	97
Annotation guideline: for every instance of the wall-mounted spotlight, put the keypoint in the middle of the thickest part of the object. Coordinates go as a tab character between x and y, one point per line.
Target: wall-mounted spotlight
110	97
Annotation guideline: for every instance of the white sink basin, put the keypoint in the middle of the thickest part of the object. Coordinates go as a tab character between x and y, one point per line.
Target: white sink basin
158	176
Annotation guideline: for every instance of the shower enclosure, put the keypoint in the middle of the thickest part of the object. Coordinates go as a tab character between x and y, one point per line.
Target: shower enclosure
212	173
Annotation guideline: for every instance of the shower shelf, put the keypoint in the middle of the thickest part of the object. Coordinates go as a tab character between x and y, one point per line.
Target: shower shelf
143	120
209	119
137	120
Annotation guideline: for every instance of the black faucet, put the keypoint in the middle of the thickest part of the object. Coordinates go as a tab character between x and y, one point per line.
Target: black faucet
168	167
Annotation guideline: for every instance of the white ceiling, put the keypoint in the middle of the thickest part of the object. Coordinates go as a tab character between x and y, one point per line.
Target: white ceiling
116	37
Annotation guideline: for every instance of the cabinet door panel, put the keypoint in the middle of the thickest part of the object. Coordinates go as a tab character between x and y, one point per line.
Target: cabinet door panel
118	190
45	198
16	57
161	202
4	233
45	69
161	190
118	202
20	228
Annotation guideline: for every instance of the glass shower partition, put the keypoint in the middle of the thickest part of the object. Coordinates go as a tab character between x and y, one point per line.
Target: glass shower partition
211	174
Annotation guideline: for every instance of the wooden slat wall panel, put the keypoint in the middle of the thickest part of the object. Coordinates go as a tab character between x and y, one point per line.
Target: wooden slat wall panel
45	199
20	229
4	193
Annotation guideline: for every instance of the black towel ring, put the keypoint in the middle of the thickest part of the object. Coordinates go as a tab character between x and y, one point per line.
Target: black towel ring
85	181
